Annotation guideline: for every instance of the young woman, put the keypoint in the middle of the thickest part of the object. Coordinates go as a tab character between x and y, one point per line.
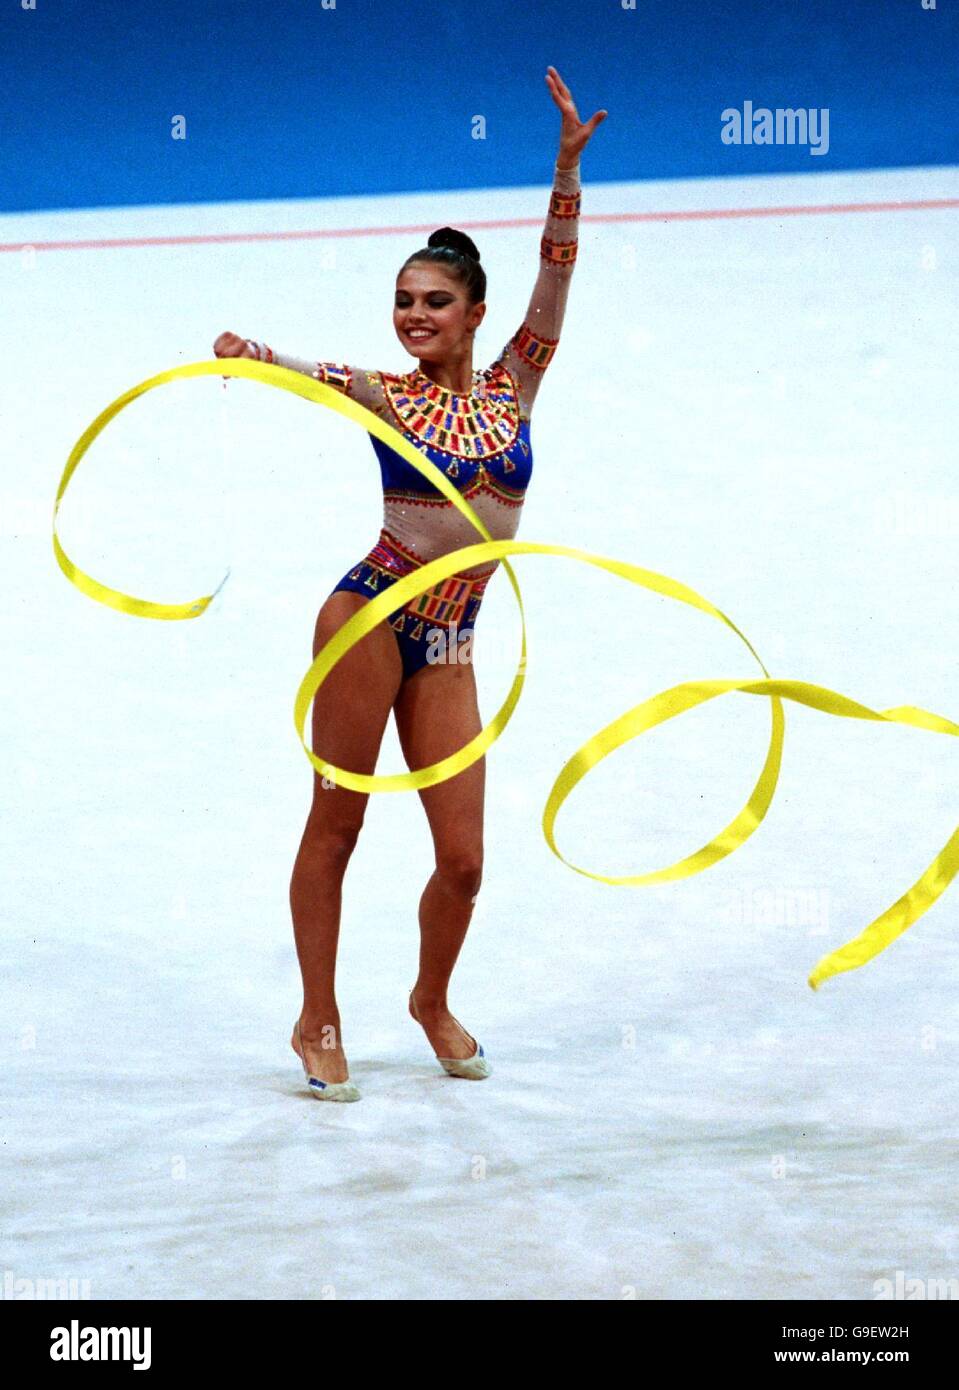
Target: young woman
474	425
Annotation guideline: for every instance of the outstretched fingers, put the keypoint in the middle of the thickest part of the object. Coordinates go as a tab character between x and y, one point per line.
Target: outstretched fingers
573	127
561	94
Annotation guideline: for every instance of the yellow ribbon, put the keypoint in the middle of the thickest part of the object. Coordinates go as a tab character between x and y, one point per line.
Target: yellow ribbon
667	705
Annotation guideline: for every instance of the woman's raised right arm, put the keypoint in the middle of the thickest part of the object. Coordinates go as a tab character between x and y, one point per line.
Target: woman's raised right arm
360	385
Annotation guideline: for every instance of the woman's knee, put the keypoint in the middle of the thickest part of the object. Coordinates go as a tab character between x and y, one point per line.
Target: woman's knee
332	840
462	869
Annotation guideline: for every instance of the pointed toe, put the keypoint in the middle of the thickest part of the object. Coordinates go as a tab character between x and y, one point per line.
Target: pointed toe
475	1068
332	1090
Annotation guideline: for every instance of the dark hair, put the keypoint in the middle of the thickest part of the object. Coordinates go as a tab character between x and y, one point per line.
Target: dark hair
455	252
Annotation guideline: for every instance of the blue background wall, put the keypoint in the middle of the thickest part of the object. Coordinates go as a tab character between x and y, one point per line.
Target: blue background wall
285	99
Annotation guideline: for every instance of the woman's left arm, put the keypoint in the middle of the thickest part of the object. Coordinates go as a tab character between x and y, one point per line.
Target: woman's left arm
531	348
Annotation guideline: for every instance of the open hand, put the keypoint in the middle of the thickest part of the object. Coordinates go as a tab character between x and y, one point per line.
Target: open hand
575	133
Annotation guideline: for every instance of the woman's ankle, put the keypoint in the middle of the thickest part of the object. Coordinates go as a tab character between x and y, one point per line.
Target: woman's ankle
321	1028
429	1002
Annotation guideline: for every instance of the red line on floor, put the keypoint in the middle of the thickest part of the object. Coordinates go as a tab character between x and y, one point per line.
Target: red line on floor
691	215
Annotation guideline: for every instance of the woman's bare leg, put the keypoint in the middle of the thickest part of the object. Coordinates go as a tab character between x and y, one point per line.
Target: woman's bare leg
437	712
350	713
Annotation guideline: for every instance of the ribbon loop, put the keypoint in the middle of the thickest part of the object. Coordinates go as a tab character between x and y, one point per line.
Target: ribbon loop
643	717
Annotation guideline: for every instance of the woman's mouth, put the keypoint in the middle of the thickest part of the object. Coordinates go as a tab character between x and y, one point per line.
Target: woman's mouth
420	335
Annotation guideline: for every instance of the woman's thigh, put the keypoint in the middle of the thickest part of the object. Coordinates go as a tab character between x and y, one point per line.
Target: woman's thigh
437	713
350	711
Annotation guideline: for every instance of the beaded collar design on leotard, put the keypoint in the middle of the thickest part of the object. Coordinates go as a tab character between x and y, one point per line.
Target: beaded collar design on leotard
477	425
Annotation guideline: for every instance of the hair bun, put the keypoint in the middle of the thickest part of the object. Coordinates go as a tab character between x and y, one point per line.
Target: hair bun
458	241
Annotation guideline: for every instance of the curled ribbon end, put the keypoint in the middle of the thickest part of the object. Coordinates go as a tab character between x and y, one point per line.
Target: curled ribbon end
203	604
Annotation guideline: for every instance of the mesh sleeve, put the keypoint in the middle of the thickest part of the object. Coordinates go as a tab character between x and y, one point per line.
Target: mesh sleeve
531	348
360	385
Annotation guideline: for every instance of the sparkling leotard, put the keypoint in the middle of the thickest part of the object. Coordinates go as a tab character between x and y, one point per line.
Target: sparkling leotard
481	441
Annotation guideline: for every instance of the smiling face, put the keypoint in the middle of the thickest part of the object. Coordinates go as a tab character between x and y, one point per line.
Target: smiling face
429	299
